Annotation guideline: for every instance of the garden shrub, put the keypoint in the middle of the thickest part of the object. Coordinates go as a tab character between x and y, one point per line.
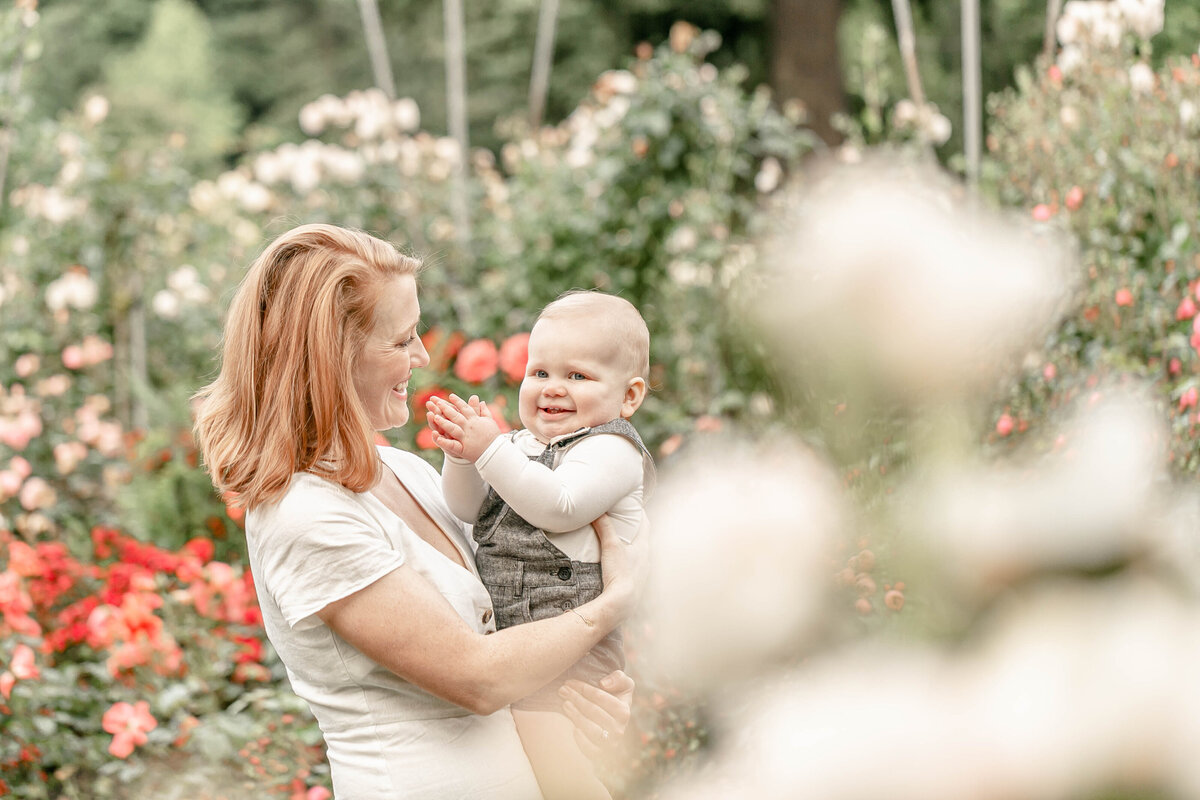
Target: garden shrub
1103	145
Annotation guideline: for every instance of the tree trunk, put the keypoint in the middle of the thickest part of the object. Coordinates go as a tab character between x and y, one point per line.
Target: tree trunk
804	60
381	65
543	59
456	112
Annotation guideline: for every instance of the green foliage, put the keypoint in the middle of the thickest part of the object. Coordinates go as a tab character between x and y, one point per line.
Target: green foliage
1115	165
648	191
167	85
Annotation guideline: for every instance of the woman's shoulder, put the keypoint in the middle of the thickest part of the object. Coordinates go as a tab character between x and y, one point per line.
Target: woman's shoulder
306	498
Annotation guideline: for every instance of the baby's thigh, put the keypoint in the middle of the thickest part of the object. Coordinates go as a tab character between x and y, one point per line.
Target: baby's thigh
562	770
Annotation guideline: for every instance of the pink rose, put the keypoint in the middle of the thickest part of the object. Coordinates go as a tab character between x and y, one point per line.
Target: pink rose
514	355
477	361
72	357
1004	425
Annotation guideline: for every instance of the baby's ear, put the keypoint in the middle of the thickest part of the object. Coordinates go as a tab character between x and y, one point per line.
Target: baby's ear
635	393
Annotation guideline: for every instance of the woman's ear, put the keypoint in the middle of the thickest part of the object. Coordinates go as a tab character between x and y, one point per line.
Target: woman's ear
635	393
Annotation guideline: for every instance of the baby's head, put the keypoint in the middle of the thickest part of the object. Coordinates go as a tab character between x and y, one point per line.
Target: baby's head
589	355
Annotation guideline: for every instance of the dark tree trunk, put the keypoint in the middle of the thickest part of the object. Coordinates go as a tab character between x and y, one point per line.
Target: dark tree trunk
804	59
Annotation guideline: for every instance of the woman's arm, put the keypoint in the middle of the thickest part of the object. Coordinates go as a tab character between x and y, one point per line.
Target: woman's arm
404	624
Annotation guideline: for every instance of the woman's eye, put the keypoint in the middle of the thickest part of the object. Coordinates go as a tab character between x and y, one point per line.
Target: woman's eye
406	342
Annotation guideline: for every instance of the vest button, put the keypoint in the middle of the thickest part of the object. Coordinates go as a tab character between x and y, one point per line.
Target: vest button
564	573
487	616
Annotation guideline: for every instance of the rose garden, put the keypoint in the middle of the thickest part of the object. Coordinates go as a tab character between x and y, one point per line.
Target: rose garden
927	444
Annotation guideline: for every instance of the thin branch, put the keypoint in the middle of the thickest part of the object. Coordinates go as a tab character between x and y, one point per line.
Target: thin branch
972	89
543	57
908	50
1053	7
381	65
456	111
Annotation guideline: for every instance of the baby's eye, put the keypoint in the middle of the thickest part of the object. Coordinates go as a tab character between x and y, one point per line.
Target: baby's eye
577	376
538	373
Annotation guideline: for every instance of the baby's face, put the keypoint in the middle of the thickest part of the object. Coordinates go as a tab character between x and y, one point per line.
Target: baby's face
574	379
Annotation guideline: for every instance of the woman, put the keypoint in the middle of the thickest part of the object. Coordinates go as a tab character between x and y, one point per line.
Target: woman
366	581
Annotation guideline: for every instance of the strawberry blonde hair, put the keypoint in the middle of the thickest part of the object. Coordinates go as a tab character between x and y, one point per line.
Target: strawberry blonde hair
284	401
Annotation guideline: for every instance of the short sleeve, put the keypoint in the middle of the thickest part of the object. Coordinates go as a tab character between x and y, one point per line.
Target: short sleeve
319	544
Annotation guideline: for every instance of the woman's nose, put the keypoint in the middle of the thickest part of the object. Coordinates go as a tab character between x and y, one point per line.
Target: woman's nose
420	356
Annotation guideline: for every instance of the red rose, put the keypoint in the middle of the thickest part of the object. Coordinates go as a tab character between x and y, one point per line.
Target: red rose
514	355
425	439
442	347
419	412
477	361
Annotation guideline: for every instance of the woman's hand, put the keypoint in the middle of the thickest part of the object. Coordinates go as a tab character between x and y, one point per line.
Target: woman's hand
624	565
600	714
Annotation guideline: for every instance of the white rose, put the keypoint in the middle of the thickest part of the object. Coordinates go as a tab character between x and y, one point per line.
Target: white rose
1141	78
165	304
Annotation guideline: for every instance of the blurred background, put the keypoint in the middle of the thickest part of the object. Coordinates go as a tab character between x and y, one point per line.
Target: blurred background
921	279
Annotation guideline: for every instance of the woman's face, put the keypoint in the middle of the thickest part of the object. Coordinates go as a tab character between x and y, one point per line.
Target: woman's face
392	351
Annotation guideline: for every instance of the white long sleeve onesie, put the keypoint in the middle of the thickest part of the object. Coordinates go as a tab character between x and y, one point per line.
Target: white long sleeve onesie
599	474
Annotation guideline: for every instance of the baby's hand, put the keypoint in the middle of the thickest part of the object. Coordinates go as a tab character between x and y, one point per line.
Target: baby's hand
461	428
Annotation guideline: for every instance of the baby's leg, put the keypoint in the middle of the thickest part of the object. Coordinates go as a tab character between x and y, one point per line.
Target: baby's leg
562	770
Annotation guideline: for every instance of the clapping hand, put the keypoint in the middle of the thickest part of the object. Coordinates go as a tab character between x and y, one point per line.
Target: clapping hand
461	428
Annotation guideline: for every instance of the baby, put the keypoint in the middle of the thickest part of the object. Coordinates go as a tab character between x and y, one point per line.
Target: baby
532	495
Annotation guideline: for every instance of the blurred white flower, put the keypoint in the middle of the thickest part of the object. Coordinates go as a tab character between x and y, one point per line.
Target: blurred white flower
1141	78
312	118
1069	29
269	168
255	198
406	114
75	289
937	128
1144	17
204	197
183	278
1085	506
769	175
1187	113
342	165
36	493
306	176
446	148
371	122
95	109
1068	692
68	144
1070	58
936	301
718	603
682	240
904	113
165	304
231	182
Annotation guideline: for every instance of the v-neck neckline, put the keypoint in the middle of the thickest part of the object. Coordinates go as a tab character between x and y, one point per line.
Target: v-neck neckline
468	558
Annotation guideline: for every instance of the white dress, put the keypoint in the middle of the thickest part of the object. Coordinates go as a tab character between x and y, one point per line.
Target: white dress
386	738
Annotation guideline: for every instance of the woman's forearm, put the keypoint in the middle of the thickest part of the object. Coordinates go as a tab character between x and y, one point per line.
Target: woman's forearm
518	661
403	623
